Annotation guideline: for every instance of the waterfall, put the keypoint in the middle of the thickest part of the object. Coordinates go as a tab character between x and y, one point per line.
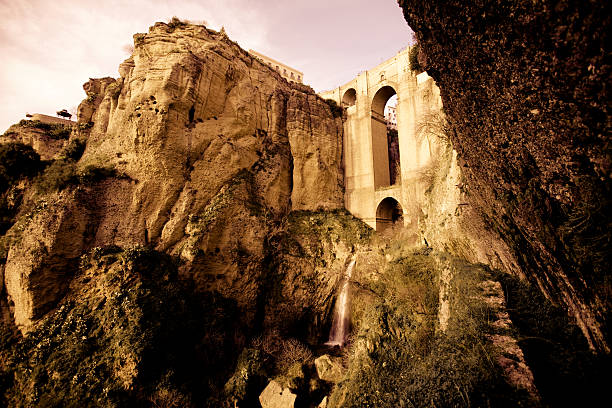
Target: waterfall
340	323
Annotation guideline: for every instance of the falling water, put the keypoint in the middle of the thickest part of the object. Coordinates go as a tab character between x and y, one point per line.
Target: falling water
340	323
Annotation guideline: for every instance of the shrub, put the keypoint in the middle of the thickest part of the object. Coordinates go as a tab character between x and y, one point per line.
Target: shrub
17	160
413	59
248	378
92	173
57	176
336	110
85	125
137	343
293	351
59	131
176	22
75	149
53	130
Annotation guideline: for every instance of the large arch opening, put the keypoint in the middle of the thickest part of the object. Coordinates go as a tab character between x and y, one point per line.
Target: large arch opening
349	98
388	214
385	138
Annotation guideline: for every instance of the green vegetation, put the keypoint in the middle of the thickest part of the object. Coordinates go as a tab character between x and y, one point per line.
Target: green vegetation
398	358
326	226
53	130
248	379
17	161
147	338
63	173
85	126
176	22
336	110
57	176
75	149
413	59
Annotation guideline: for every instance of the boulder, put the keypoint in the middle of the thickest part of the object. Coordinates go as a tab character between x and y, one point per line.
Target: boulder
329	368
275	396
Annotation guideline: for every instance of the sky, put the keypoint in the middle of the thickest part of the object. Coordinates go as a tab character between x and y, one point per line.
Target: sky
50	49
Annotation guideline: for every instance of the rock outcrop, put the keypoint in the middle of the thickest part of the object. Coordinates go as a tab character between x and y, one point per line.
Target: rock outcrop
275	396
48	139
212	147
524	89
329	368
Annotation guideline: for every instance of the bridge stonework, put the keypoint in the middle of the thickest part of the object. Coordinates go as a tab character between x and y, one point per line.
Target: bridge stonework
366	151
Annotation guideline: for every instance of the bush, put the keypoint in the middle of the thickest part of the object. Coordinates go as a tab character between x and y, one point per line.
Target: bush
413	59
57	176
85	126
63	173
336	110
176	22
53	130
249	377
75	149
17	160
92	173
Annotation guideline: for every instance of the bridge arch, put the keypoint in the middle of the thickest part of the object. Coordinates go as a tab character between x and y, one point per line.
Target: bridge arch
389	213
350	97
385	141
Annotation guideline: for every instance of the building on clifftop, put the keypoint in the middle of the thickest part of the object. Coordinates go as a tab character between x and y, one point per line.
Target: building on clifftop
290	74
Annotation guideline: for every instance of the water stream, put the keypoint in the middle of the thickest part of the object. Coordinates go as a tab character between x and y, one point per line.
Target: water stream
340	323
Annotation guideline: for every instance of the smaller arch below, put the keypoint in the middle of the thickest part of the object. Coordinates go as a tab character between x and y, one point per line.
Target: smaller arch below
389	214
350	97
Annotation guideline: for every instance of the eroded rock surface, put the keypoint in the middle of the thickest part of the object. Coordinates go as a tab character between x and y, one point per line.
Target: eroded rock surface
275	396
211	148
329	368
523	86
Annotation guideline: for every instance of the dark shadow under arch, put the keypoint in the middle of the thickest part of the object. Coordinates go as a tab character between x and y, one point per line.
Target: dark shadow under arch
388	214
350	97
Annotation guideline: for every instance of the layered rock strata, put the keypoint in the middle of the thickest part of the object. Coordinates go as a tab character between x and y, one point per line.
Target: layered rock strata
212	147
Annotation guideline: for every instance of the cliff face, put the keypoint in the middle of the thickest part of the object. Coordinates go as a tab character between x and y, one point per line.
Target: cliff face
209	148
525	89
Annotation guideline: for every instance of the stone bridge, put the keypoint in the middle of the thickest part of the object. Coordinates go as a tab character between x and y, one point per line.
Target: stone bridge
373	192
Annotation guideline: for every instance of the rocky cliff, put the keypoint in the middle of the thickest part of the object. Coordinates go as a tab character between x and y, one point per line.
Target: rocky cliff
525	89
208	148
184	242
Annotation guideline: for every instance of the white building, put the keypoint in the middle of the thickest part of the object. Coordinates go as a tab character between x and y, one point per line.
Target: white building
290	74
391	117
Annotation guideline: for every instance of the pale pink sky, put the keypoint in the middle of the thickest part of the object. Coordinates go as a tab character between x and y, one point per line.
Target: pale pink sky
49	48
